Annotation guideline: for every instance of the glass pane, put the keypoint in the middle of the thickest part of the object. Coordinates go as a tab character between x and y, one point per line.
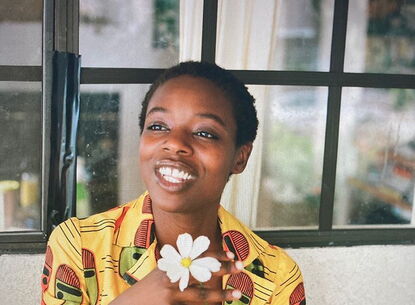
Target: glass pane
292	156
274	34
107	163
376	160
138	33
20	32
381	36
20	155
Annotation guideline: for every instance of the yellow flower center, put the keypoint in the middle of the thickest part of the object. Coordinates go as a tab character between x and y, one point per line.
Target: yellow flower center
186	262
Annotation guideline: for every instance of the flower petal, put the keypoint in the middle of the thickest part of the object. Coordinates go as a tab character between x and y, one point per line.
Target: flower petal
184	280
163	264
210	263
172	268
200	245
201	274
184	244
170	253
175	275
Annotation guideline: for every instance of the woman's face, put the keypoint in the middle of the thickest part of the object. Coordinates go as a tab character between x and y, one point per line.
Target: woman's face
187	148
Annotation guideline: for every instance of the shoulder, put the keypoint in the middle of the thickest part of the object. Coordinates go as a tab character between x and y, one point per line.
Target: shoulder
281	263
75	232
67	236
269	261
108	217
105	228
271	254
285	273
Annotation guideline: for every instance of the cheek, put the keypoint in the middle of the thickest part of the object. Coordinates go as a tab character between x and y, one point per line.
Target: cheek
220	162
140	151
145	146
144	152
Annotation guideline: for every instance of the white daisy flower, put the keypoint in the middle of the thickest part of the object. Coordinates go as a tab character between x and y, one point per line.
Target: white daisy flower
178	265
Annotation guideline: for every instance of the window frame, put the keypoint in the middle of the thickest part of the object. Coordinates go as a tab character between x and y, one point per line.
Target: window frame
35	241
61	33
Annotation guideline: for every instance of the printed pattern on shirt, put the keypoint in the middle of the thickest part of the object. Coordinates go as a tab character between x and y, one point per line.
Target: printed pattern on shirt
297	297
67	285
92	260
47	269
244	283
237	244
90	273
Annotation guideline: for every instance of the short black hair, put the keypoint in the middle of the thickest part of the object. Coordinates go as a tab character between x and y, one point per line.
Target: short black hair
236	91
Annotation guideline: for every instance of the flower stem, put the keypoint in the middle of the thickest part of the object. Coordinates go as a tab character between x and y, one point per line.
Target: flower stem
203	287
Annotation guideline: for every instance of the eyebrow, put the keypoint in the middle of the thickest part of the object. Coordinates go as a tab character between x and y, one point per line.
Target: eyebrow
156	109
211	116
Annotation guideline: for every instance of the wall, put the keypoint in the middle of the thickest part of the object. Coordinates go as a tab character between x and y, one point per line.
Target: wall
353	276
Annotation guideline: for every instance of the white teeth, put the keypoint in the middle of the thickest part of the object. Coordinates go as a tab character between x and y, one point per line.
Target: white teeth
165	171
174	175
171	179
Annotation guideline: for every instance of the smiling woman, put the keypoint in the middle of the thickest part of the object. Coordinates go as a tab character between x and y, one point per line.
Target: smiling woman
198	124
189	127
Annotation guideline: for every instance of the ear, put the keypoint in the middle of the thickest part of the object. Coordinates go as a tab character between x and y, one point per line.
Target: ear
241	158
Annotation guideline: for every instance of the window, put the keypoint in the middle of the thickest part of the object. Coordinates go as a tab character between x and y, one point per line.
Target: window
23	100
334	80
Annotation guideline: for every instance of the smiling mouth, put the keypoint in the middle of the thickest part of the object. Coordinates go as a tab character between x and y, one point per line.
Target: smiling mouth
174	175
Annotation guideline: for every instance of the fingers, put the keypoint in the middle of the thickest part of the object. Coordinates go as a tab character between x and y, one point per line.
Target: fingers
222	256
229	268
205	295
228	265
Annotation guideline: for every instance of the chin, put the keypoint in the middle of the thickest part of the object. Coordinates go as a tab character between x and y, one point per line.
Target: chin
168	202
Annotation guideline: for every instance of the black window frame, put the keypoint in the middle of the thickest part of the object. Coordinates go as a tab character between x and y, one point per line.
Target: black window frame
35	241
61	33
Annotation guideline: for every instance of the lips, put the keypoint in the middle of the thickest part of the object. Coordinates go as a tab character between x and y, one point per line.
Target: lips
174	175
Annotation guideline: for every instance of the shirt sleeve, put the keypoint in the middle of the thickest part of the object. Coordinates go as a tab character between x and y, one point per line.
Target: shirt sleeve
62	279
290	284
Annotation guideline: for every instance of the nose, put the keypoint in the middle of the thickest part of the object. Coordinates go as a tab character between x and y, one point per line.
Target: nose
177	142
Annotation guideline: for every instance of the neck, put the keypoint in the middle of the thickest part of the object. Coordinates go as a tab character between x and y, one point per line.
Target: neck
169	225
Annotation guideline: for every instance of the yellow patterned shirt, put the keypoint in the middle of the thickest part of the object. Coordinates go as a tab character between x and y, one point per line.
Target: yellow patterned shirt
93	260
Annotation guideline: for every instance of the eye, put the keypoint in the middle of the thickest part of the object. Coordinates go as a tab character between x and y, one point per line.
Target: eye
157	127
205	134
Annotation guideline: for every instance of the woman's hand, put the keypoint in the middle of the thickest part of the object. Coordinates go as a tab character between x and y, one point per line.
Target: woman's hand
156	288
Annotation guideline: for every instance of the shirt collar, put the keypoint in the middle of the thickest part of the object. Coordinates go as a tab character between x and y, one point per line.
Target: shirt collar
135	225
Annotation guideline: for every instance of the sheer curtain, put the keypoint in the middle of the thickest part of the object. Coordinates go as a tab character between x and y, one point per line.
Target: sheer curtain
242	25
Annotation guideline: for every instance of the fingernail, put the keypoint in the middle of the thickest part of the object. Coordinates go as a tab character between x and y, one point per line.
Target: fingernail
236	294
230	255
239	265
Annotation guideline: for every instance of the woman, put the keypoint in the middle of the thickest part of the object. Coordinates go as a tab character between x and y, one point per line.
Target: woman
198	123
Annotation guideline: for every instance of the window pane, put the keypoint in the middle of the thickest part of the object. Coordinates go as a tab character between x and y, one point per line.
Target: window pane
107	167
292	156
381	36
275	35
20	155
138	33
376	159
20	32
